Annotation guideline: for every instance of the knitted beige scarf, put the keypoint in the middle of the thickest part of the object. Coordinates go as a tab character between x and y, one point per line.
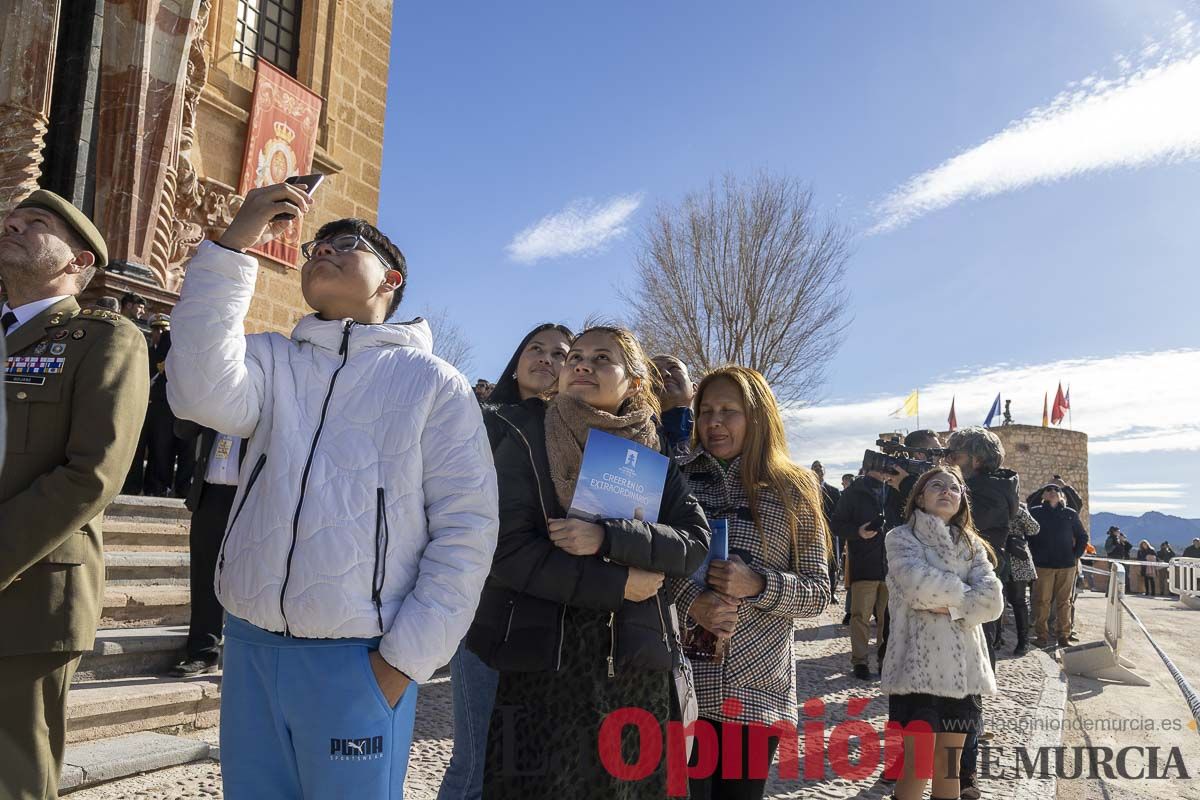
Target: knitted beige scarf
568	421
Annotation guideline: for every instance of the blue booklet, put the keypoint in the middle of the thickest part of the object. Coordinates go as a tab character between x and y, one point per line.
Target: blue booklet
618	479
718	549
700	644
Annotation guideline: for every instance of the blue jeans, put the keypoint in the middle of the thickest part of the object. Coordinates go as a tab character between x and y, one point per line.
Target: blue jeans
474	684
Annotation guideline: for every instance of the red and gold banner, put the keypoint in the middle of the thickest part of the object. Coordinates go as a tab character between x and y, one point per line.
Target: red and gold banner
280	140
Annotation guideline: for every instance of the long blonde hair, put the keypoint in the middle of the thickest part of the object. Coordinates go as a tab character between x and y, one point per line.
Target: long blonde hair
766	463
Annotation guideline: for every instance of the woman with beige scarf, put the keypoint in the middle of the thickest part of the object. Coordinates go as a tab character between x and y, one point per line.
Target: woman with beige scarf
574	615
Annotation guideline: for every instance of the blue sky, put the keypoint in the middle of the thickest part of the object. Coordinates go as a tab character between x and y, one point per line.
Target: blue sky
1020	178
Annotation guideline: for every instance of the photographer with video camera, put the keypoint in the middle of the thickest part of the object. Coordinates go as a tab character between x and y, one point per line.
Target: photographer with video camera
872	505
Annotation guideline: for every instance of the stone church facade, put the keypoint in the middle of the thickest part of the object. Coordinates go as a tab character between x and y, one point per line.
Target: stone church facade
137	111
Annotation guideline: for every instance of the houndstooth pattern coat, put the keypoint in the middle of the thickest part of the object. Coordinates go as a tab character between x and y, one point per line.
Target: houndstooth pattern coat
759	666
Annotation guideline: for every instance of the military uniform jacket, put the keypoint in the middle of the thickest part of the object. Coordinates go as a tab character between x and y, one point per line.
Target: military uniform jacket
76	387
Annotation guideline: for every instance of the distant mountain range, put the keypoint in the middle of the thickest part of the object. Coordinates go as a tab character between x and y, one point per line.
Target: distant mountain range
1153	525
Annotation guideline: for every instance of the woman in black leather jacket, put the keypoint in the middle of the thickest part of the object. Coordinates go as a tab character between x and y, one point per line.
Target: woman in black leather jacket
574	615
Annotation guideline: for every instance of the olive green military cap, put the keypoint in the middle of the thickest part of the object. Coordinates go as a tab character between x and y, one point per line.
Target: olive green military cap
76	220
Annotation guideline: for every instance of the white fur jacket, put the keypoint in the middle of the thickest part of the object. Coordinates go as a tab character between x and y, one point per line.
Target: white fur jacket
935	653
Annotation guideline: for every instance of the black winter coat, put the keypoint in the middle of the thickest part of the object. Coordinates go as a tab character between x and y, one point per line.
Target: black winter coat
860	503
1061	540
522	611
829	501
496	427
994	503
1112	547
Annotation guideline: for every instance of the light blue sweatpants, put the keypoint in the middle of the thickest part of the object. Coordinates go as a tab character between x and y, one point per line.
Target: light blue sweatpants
305	718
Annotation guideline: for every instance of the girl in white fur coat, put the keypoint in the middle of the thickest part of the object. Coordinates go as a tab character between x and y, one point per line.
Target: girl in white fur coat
942	588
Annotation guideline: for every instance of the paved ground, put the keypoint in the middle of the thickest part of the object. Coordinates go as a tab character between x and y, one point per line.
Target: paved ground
1105	714
822	659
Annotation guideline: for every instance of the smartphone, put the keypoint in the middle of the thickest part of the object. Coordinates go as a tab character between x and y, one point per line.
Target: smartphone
877	523
308	183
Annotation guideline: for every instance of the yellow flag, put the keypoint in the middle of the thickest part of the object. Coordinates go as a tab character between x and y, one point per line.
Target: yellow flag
910	407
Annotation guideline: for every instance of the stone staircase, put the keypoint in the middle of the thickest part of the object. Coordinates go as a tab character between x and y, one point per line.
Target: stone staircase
124	715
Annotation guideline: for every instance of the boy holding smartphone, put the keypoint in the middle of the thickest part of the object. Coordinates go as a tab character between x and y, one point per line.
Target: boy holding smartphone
365	516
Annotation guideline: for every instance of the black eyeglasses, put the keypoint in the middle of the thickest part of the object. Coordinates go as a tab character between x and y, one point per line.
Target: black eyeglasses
344	243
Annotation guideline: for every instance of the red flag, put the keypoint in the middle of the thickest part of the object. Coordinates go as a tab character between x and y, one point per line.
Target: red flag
1059	412
953	419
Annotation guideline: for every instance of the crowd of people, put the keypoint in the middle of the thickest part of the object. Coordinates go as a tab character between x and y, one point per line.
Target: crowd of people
1149	581
361	511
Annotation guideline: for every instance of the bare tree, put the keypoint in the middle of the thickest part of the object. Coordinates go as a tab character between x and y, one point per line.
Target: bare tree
745	273
449	342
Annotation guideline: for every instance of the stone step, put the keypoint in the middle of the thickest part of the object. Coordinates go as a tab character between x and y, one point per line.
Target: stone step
118	706
126	652
132	535
142	605
90	763
146	566
147	508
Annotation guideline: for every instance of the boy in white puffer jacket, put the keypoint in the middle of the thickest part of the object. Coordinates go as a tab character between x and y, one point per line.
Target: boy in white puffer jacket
942	588
366	514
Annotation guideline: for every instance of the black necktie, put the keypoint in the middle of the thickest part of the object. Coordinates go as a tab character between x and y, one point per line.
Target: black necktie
8	320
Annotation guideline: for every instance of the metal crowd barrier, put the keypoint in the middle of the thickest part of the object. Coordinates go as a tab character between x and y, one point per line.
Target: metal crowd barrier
1103	660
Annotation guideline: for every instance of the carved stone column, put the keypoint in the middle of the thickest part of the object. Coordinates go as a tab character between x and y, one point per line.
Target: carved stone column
143	78
28	34
179	218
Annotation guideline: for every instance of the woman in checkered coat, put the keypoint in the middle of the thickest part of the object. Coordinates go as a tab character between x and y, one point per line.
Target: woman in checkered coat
777	571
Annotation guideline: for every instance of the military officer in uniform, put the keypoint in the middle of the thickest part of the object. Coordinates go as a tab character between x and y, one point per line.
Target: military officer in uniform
75	384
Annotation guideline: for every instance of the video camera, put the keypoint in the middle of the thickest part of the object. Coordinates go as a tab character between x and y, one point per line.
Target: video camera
897	455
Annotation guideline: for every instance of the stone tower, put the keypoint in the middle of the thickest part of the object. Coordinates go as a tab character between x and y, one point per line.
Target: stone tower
1037	454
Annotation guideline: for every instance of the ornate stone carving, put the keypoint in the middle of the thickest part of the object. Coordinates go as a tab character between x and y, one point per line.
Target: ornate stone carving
21	135
219	205
183	198
142	78
28	38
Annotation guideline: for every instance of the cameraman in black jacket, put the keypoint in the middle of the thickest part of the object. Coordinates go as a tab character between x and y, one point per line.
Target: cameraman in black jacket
873	504
861	519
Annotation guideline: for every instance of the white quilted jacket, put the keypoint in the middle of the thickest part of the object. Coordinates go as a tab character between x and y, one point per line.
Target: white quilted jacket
934	653
367	501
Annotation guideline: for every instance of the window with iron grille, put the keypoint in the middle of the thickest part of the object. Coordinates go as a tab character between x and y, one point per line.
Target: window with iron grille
268	29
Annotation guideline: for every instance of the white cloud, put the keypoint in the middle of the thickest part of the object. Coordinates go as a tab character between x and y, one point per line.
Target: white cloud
582	228
1132	508
1123	493
1147	115
1135	402
1150	486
